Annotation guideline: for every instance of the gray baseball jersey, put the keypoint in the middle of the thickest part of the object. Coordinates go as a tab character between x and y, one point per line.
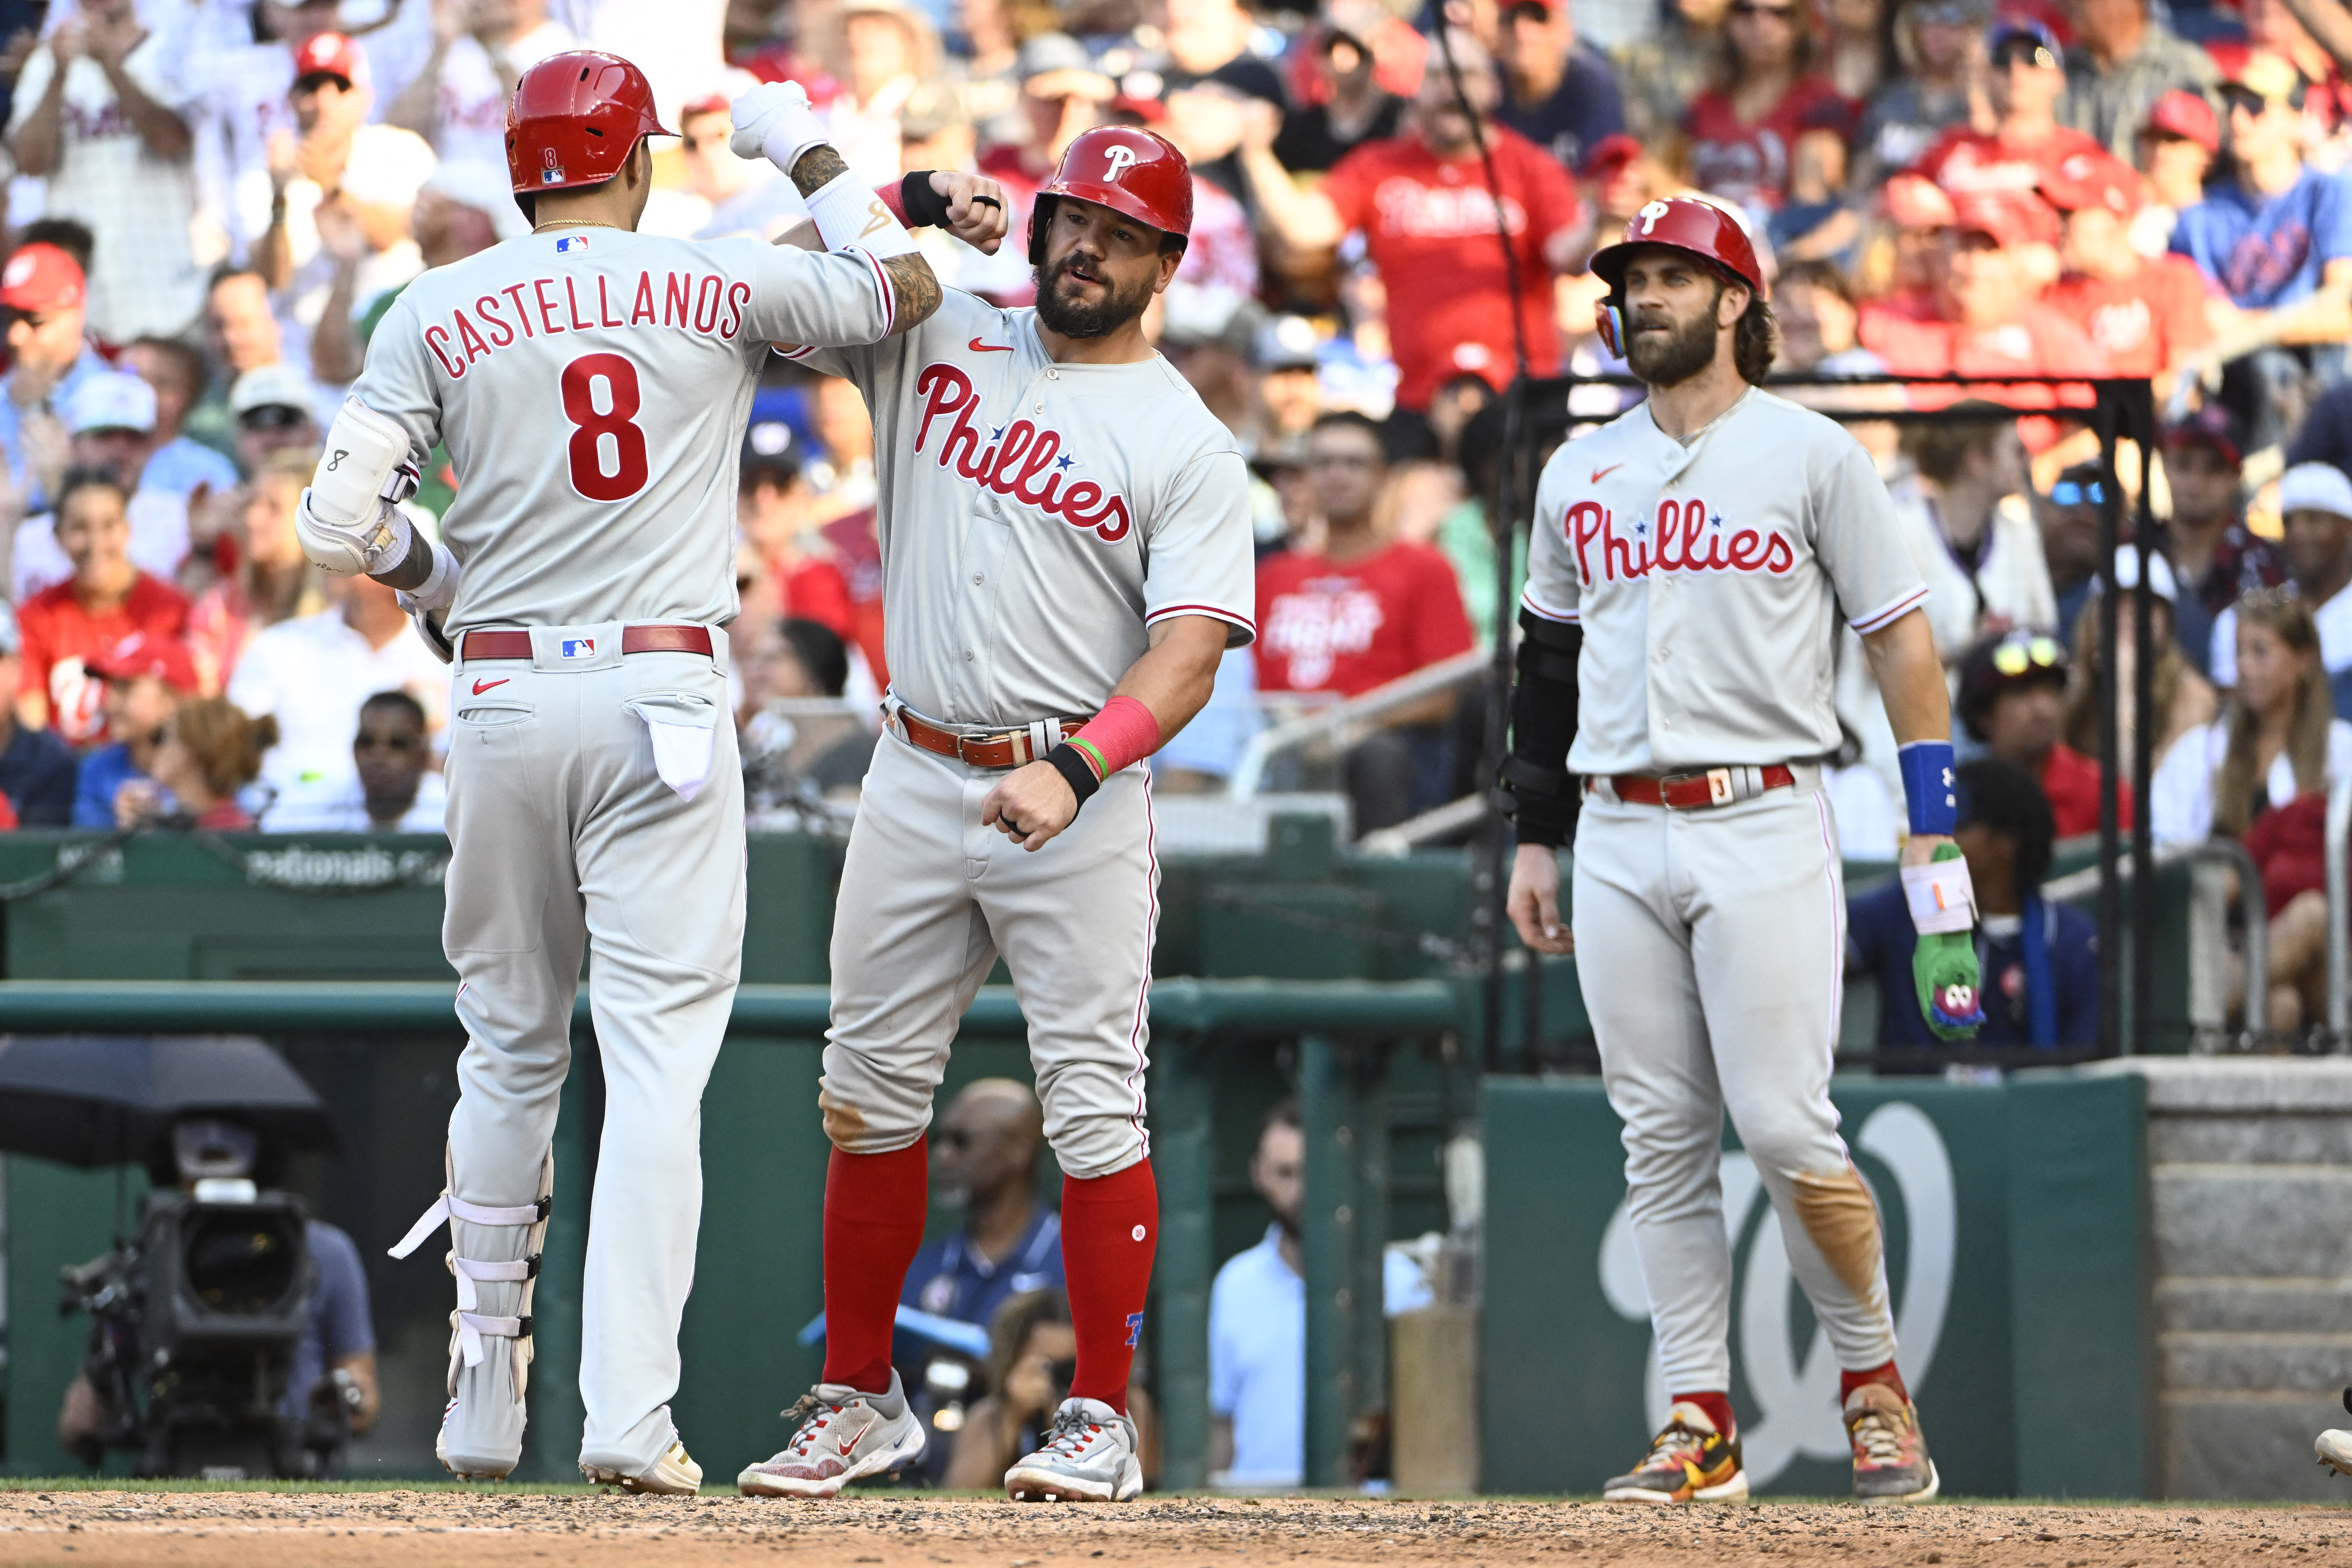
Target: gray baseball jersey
593	387
1706	579
1036	518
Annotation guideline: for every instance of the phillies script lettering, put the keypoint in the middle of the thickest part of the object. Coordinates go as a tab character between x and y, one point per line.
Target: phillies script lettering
1019	461
1687	539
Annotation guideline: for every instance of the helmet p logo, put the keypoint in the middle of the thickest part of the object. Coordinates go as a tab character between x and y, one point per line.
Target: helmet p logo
1117	160
1650	215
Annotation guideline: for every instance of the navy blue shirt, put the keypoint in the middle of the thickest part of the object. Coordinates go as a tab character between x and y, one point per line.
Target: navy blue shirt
37	771
1585	107
951	1279
1880	938
338	1323
103	771
2268	251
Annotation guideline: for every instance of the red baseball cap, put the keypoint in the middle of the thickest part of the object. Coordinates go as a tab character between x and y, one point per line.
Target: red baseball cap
1610	153
2011	217
143	653
1916	201
41	277
2187	115
330	54
709	103
2092	179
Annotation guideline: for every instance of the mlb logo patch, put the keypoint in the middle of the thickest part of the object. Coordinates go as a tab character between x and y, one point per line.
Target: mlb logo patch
579	647
571	242
551	177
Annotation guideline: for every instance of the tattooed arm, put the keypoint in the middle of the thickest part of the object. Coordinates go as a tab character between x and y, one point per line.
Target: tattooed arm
916	290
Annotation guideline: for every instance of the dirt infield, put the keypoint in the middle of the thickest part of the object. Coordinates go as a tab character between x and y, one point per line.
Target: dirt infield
347	1529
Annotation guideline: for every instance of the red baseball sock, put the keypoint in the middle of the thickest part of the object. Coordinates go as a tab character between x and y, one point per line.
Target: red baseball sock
1717	1406
1110	1227
1850	1381
874	1210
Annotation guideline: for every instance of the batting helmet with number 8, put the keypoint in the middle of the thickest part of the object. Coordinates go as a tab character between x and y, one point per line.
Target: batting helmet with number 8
1131	171
574	120
1684	223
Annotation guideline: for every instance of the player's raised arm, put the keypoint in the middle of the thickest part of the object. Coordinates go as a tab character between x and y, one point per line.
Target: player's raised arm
775	119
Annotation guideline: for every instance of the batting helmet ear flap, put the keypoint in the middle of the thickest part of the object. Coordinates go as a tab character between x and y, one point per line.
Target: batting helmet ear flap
1609	320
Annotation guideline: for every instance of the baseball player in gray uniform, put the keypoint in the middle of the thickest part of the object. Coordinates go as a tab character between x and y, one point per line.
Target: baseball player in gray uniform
1690	563
1066	555
592	385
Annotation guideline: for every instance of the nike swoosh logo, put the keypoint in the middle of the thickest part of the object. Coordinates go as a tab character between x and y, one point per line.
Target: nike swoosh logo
1601	474
851	1442
981	348
482	686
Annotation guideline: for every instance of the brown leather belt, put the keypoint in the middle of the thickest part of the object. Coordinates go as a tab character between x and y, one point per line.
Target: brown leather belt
1692	792
634	639
1006	749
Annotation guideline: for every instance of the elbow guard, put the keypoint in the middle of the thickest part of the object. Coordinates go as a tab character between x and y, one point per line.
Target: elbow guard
1540	793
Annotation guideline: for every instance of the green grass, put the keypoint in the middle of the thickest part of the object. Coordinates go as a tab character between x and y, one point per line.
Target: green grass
125	1484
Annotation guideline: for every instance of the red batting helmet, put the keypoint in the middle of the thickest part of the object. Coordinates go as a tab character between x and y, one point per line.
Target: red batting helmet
1685	224
574	120
1127	169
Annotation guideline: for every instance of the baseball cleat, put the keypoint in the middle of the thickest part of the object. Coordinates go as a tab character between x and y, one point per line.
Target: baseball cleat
675	1474
1890	1452
2333	1447
1688	1461
1090	1457
843	1436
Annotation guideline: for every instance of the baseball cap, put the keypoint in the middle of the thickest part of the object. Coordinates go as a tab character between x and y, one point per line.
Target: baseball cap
2187	115
1056	65
275	386
2010	31
1916	201
2315	487
116	401
2211	425
1286	342
387	165
41	277
146	653
1609	154
2002	663
709	103
2092	179
486	187
768	448
2265	77
330	54
2011	217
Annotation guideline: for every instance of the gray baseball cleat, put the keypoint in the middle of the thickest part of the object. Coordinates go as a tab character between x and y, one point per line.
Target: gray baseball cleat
675	1474
843	1436
1090	1457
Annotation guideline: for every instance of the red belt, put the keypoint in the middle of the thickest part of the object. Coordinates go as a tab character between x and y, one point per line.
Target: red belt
1692	792
1009	749
634	639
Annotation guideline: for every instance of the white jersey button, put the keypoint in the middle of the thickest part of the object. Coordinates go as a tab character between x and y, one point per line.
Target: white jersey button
967	655
978	577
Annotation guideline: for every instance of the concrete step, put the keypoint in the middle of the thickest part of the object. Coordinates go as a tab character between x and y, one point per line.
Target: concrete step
2279	1139
2253	1306
2260	1221
2275	1364
2248	1448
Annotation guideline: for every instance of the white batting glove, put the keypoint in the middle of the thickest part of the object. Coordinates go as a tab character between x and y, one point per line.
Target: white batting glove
369	545
774	120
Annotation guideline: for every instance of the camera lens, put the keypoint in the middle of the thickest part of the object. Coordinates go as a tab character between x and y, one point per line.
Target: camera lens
238	1262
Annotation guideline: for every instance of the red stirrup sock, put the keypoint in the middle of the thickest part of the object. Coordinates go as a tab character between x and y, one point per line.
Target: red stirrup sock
875	1205
1110	1228
1850	1381
1717	1406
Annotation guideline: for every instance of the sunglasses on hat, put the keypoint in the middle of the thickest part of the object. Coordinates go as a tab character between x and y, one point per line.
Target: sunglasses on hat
2071	492
2017	657
272	416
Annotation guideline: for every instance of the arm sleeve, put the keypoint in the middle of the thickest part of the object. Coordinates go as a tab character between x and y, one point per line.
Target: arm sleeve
400	380
1553	590
833	298
1860	542
1199	547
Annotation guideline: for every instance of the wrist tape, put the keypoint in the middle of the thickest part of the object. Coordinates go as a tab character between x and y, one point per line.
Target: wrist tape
1928	796
1941	897
850	216
1124	732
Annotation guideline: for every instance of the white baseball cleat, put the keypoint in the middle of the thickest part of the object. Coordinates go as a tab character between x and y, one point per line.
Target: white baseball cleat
675	1474
1090	1457
2333	1447
843	1436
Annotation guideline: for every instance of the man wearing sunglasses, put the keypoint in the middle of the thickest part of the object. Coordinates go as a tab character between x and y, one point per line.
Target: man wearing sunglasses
1691	566
2069	517
2024	85
42	299
1558	91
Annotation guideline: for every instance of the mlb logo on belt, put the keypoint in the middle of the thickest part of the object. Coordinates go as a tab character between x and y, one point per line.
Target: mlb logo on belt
571	242
579	647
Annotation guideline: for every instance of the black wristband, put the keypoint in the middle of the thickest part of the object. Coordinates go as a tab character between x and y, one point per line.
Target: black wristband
924	206
1072	765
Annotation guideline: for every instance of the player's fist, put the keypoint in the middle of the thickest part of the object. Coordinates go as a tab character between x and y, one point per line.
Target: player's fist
1534	902
774	120
976	209
1030	805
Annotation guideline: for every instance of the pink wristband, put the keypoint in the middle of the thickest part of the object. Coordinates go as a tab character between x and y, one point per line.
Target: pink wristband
1123	732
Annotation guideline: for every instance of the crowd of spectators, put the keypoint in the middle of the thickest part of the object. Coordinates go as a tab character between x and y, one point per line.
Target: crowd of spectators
212	202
